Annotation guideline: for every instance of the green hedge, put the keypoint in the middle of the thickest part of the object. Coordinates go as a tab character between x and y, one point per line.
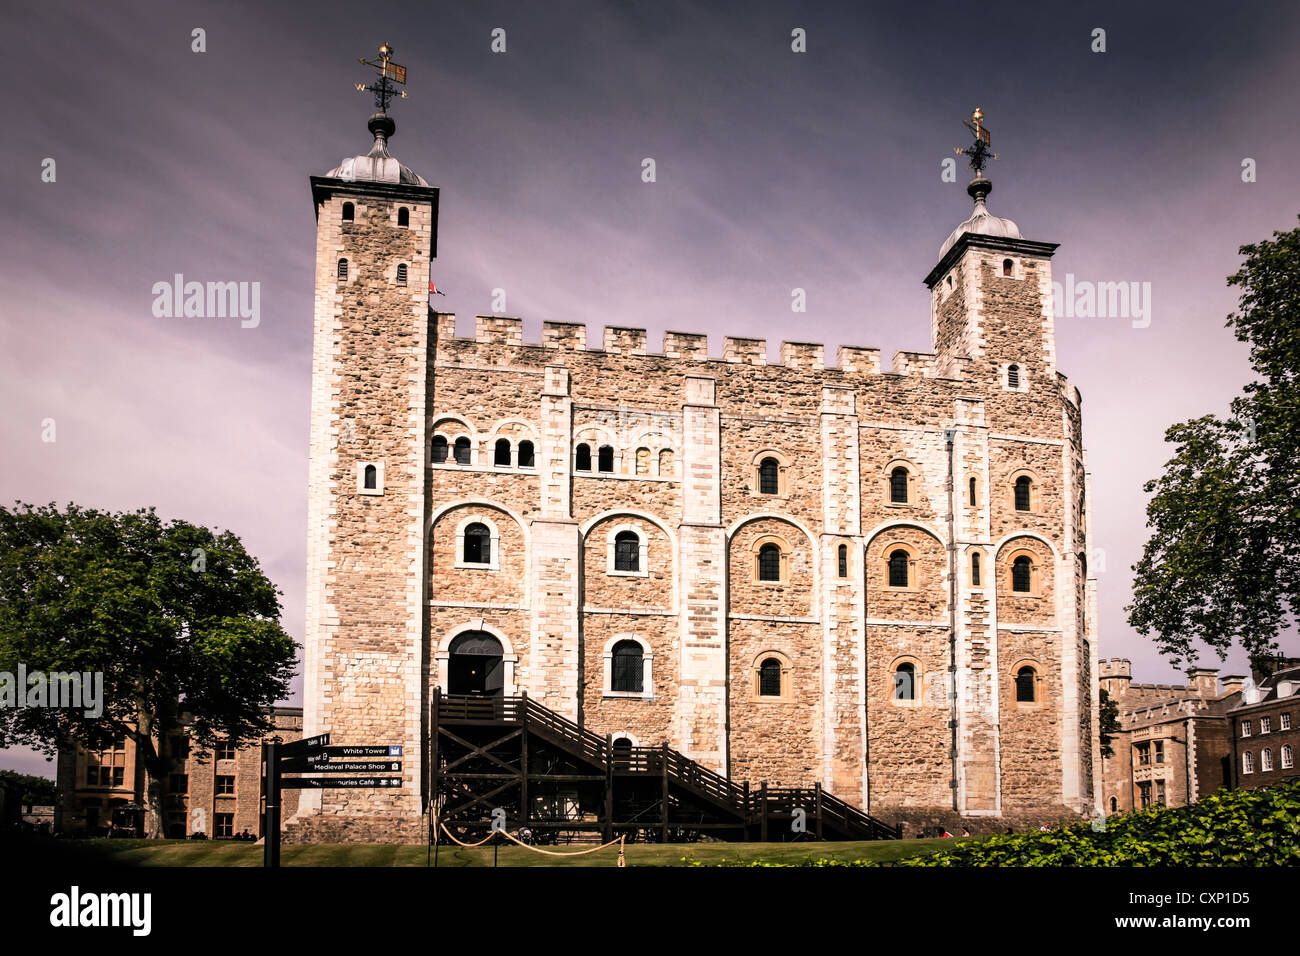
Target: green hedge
1227	828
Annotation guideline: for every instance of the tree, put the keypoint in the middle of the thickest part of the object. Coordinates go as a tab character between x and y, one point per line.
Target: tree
178	619
36	790
1222	565
1108	719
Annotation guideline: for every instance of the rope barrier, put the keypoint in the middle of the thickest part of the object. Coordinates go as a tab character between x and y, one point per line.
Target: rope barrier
513	839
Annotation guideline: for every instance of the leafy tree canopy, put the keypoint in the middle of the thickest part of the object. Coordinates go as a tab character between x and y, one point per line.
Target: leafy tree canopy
1222	565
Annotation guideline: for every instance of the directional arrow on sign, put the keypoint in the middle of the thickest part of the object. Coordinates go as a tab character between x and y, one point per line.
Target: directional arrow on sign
299	747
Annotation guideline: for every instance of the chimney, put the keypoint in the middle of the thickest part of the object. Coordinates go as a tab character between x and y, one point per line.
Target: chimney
1202	681
1233	683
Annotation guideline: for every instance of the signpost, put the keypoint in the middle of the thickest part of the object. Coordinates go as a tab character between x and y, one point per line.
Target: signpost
314	755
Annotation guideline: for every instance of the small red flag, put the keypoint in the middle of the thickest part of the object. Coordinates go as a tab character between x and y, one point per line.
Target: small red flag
433	290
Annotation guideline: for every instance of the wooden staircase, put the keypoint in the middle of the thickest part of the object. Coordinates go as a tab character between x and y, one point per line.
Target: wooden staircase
553	778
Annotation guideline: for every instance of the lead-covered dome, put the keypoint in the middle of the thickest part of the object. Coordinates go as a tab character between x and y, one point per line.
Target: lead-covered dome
982	222
379	165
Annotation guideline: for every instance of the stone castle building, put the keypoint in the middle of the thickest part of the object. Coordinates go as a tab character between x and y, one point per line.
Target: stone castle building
871	578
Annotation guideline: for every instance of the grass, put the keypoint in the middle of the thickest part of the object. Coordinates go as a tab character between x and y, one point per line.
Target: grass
223	853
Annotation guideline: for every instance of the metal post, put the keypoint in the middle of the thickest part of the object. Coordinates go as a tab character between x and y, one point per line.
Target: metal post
762	795
271	844
817	802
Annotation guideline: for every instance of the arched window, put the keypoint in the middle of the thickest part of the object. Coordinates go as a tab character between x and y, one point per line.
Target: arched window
462	450
1013	376
371	477
1288	757
627	551
666	462
1025	685
1114	805
769	562
1007	266
478	544
629	667
401	273
898	562
643	461
1247	762
844	560
769	678
343	268
975	569
972	491
1266	759
582	460
605	459
349	212
1022	574
439	449
898	485
769	476
905	682
403	216
622	751
525	454
1023	485
502	453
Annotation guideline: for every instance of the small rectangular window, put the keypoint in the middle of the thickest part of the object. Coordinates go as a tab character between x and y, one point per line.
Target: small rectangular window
225	785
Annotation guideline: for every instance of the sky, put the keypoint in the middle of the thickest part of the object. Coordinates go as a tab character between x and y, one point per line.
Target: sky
775	170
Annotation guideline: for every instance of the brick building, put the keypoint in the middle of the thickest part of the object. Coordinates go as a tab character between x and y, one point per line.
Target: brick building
217	793
1265	727
876	579
1174	744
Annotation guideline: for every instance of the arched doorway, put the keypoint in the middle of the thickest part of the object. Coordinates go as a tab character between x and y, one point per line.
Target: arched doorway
474	665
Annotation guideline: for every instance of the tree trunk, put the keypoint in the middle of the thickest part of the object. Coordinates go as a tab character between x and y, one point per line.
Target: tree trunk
148	752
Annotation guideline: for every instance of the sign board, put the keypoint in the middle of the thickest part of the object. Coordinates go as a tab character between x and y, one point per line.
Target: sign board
382	750
299	747
340	783
356	766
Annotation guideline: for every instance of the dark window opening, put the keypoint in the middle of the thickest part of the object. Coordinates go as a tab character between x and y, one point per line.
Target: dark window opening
629	668
898	562
462	451
1021	574
583	462
1013	376
349	212
769	563
972	491
905	682
371	478
769	678
439	449
975	570
1022	493
627	552
525	454
401	273
605	460
1007	266
844	560
478	544
769	476
343	268
403	216
1025	685
502	456
898	485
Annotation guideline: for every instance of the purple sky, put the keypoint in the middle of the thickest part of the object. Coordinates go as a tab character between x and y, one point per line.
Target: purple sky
775	170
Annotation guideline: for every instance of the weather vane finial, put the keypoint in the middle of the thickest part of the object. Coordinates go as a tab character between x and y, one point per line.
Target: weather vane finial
978	151
389	73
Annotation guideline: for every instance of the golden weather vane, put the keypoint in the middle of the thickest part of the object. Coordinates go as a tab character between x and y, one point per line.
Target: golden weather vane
978	150
389	73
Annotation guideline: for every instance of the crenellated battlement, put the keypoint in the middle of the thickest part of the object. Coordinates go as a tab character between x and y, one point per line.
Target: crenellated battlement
694	347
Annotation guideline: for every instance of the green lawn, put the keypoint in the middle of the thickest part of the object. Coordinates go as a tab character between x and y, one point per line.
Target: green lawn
222	853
